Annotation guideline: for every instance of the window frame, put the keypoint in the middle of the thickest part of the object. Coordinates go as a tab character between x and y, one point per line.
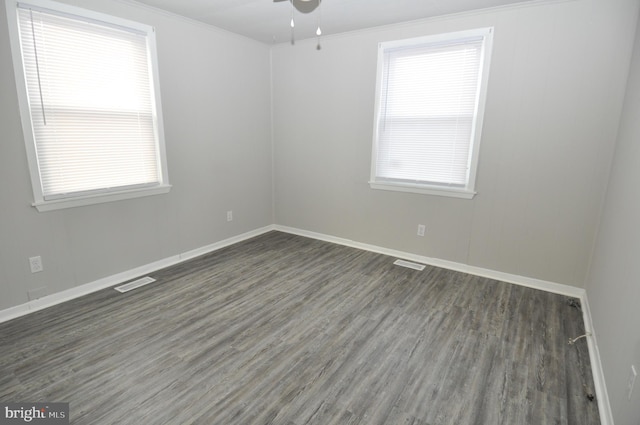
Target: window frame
96	196
421	187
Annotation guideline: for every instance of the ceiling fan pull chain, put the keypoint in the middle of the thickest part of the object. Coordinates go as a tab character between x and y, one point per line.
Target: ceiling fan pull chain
293	24
319	31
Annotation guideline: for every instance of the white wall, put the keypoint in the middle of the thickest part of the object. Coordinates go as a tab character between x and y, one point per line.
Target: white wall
556	88
614	281
215	90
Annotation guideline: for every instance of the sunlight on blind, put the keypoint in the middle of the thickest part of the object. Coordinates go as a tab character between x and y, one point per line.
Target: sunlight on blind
428	103
91	100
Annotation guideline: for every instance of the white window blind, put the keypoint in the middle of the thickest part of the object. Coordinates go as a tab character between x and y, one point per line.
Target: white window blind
92	104
428	109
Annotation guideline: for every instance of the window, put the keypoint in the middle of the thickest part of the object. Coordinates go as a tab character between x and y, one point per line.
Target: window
429	106
90	104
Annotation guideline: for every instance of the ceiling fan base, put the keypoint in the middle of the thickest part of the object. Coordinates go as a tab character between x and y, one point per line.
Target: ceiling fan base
304	6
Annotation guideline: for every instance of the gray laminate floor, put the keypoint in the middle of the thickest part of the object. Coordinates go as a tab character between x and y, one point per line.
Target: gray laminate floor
286	330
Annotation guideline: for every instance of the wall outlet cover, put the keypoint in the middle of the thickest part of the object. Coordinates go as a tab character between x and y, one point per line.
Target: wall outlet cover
35	264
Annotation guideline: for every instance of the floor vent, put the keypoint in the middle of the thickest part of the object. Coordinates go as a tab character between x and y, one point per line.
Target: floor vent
135	284
409	264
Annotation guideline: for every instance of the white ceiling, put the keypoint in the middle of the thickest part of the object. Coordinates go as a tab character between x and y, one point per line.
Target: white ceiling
266	21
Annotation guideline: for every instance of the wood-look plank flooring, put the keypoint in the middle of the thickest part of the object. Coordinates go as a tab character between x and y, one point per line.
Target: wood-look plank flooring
282	329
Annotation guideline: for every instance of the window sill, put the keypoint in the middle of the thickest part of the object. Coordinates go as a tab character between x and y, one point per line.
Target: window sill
80	201
424	189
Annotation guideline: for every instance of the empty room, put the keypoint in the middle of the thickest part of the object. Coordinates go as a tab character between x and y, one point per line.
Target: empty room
235	212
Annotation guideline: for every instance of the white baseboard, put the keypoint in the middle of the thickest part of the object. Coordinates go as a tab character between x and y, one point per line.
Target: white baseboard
116	279
544	285
229	241
606	415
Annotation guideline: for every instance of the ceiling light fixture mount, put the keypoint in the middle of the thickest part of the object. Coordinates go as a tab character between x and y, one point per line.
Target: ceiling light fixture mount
305	6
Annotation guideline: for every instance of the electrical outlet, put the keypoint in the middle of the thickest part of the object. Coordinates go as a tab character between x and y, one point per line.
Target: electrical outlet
421	229
632	381
35	264
229	215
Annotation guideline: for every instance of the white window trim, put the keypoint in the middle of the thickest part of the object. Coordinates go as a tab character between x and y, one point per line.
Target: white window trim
467	192
25	114
423	189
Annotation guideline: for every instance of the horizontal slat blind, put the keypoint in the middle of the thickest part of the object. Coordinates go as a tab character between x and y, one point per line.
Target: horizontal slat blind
91	100
428	102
